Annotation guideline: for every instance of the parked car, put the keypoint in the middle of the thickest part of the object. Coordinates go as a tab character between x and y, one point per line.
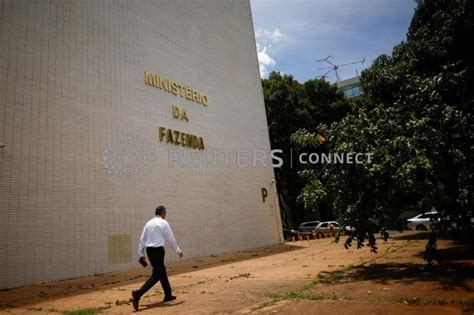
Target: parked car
288	234
307	227
323	228
423	222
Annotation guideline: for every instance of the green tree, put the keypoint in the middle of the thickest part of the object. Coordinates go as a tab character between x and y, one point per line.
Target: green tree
292	106
415	116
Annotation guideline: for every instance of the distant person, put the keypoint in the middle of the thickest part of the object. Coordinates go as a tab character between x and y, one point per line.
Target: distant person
332	229
399	223
374	224
156	232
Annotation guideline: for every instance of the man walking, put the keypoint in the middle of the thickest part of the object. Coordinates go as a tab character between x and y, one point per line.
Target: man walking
156	232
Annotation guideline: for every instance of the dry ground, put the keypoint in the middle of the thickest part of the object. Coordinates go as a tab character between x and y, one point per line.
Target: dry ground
305	277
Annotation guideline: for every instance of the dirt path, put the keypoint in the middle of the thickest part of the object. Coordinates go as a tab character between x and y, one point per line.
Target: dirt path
282	279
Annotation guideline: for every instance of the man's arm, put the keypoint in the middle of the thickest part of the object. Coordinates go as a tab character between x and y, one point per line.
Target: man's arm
141	244
169	237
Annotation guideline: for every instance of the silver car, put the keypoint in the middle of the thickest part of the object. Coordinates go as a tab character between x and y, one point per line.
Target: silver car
323	229
307	226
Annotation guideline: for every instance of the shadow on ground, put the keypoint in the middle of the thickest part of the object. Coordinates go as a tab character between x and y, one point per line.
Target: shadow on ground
410	236
457	236
454	270
158	305
449	275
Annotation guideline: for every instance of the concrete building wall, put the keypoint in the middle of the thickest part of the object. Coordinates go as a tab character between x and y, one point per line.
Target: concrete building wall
83	167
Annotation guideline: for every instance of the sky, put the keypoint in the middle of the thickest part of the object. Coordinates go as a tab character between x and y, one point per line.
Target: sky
292	34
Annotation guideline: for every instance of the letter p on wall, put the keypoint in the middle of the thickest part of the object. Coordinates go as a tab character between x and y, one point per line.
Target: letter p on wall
264	194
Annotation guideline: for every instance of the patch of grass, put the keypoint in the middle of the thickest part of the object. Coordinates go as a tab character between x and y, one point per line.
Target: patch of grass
121	302
330	277
87	311
274	298
409	300
302	295
436	301
297	295
267	303
469	304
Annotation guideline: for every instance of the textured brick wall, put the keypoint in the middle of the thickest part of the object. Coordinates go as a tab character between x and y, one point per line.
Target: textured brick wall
83	169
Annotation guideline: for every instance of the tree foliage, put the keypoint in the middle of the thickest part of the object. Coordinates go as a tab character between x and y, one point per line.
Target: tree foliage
292	106
415	116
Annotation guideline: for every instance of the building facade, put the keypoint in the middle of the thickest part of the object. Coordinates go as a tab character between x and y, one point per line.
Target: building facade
106	108
350	87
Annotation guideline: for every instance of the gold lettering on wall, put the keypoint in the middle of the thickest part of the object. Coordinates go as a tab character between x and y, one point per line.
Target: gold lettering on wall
175	88
179	113
264	194
180	138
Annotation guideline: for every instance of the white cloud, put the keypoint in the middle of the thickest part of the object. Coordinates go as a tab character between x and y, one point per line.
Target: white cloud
266	35
264	60
266	54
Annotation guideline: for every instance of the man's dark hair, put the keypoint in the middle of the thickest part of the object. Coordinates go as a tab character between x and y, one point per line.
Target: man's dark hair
159	210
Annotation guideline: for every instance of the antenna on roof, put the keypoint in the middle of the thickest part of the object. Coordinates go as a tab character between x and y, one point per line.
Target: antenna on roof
334	67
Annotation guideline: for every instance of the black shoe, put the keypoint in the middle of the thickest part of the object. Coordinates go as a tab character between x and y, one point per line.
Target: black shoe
169	298
135	300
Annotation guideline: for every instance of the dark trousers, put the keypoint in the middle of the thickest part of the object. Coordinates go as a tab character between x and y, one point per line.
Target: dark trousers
156	255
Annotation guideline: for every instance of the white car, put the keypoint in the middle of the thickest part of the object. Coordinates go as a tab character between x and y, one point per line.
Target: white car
423	222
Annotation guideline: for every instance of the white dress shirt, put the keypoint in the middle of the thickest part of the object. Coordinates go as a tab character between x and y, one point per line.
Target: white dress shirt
156	232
